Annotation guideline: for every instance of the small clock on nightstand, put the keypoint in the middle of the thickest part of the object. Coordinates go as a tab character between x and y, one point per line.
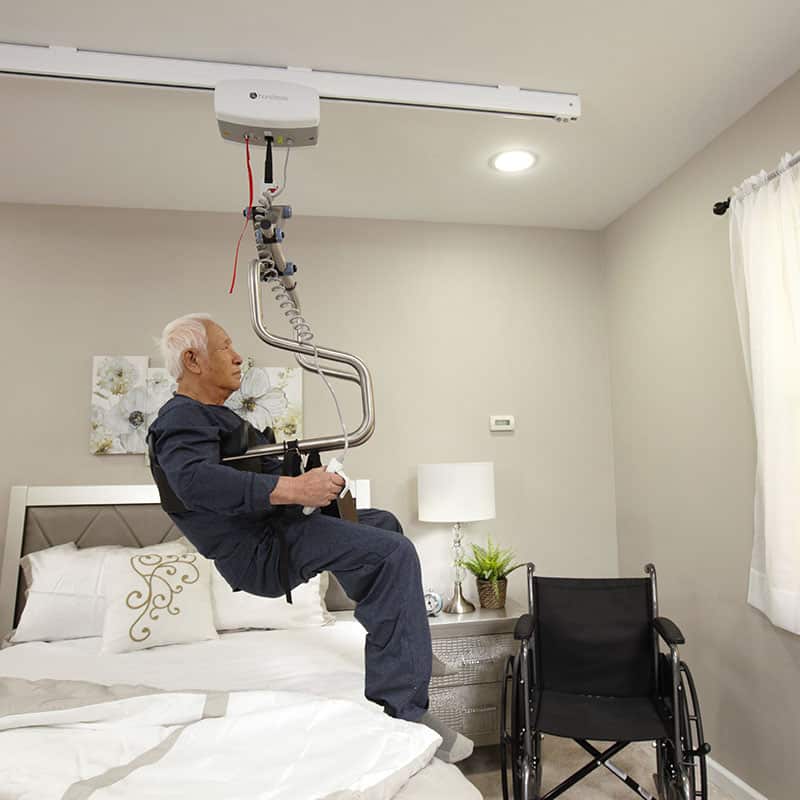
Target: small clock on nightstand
433	603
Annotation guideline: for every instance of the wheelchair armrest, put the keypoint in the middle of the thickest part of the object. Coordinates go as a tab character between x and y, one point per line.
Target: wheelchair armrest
524	627
668	631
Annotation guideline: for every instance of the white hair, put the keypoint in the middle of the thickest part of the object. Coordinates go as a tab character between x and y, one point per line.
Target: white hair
184	333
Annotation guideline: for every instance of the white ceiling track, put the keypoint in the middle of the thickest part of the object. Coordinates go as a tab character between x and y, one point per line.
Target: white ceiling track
88	65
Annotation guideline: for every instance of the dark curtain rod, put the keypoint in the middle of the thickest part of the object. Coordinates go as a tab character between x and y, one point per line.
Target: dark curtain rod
722	207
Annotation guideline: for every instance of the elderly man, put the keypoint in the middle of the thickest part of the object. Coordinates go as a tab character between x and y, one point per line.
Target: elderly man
240	519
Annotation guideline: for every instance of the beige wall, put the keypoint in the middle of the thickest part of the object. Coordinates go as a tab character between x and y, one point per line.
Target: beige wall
684	443
456	323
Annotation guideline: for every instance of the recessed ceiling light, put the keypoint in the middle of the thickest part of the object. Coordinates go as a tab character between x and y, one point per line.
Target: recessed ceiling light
513	161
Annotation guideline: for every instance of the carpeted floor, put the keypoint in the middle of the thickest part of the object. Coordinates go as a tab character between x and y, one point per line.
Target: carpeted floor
561	757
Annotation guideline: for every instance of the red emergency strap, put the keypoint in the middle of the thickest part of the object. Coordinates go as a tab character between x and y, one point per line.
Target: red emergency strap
247	213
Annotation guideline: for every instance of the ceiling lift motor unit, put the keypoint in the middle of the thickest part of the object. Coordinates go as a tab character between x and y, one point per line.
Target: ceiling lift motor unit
259	109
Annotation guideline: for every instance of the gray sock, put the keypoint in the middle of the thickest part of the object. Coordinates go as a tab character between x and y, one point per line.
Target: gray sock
454	747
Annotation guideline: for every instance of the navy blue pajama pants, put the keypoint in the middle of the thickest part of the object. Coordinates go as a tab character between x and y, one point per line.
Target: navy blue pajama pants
379	569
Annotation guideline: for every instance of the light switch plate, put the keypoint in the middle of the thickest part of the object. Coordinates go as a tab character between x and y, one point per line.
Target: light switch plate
501	422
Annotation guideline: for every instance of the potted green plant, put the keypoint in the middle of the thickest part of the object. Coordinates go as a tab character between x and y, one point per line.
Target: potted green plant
490	566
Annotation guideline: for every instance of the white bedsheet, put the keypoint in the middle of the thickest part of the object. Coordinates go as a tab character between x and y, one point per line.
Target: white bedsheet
326	661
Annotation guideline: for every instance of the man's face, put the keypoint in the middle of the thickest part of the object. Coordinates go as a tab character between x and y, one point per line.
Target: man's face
223	369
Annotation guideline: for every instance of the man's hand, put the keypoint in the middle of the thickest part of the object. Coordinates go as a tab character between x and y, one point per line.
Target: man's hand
314	488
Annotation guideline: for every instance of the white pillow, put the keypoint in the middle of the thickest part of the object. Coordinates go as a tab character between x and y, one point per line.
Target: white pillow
64	599
156	599
236	610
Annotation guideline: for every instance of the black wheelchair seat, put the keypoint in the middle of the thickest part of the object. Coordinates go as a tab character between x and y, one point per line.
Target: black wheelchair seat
605	719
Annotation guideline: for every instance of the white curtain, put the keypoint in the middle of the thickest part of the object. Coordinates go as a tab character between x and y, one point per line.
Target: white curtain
765	264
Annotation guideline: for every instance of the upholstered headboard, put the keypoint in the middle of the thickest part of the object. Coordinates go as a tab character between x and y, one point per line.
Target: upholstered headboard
44	516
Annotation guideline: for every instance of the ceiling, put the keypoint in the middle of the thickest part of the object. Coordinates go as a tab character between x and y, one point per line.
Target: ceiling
657	84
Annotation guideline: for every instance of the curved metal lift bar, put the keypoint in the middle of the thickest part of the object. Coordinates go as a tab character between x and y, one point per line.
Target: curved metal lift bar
304	354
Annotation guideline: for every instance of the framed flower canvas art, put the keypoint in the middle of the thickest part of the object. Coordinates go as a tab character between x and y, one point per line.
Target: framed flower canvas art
127	395
271	397
119	404
160	388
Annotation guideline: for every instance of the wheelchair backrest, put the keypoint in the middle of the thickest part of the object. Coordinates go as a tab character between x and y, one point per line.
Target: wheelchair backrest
594	636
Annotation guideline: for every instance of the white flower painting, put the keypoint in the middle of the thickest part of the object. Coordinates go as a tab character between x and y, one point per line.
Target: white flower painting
119	404
271	397
127	396
160	388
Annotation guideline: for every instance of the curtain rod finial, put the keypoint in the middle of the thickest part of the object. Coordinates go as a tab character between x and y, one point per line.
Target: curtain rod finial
722	207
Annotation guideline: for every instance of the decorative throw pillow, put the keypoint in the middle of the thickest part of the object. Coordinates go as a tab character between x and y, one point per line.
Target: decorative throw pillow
156	599
237	610
64	595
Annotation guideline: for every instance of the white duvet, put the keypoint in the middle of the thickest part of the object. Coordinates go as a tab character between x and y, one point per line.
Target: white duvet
296	724
65	740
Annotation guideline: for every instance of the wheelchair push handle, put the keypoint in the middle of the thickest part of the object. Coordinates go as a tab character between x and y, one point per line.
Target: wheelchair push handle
531	569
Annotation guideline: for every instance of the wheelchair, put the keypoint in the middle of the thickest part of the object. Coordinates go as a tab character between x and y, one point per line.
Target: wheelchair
589	668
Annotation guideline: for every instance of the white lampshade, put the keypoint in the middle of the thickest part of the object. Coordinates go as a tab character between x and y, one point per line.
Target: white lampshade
455	492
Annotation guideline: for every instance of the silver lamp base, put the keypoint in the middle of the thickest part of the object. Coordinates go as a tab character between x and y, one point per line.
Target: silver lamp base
458	604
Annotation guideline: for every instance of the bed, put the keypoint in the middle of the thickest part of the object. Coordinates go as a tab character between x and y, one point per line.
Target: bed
251	714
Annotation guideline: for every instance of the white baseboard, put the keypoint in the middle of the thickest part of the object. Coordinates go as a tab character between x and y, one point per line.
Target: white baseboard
729	783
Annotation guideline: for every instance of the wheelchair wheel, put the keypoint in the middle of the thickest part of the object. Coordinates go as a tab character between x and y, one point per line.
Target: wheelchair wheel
526	776
681	767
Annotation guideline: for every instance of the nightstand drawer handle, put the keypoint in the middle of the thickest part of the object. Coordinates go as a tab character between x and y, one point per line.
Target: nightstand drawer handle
479	660
480	710
474	660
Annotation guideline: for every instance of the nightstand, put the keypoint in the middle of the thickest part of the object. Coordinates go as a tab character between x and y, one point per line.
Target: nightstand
478	644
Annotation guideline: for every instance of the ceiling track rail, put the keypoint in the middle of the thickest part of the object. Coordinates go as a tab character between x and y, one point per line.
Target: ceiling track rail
89	65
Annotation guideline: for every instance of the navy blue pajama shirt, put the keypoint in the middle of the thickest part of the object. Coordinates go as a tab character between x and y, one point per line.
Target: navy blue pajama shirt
230	520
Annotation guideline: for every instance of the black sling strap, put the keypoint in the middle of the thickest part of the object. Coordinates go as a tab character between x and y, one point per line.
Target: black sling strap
292	462
170	502
292	467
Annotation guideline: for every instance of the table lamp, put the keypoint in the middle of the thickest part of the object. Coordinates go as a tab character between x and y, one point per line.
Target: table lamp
456	493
